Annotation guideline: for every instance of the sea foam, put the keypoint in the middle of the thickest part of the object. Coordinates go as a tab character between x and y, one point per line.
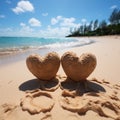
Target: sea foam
11	45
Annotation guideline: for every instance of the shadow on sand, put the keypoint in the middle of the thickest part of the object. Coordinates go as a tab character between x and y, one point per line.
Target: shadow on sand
33	84
82	86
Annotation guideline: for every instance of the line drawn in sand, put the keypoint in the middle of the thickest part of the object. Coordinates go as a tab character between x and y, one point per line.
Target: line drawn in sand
90	95
35	102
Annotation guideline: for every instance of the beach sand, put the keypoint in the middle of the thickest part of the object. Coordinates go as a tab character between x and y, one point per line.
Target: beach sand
98	98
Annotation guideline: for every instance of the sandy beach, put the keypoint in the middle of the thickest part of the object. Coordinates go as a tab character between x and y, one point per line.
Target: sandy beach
22	99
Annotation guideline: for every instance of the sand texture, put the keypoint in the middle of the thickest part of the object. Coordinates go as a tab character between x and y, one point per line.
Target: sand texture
78	68
100	97
44	68
77	98
26	96
35	102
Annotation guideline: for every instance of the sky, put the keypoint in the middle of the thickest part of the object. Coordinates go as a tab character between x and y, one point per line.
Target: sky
51	18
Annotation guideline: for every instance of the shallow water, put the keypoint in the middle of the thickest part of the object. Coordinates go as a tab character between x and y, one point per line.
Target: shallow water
17	48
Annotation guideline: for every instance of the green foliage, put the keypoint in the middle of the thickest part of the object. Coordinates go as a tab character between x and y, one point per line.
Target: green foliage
115	17
95	24
103	24
98	29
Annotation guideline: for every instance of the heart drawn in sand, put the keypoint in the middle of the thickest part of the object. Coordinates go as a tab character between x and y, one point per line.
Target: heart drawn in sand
78	68
44	68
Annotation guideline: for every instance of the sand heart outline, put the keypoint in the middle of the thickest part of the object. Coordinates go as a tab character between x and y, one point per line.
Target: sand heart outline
78	68
44	68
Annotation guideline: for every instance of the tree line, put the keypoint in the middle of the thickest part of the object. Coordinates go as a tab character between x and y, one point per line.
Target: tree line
96	28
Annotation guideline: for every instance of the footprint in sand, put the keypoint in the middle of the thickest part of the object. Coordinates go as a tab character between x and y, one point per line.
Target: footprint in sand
5	110
35	102
13	112
98	96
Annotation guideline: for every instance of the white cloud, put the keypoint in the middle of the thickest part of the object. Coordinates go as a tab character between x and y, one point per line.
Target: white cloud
54	32
2	16
45	14
23	6
60	30
69	22
34	22
54	21
83	20
22	24
113	7
24	30
59	17
64	22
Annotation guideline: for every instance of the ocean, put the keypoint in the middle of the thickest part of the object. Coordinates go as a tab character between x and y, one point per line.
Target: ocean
12	46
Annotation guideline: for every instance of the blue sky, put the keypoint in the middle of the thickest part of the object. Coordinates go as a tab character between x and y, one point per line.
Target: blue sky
50	18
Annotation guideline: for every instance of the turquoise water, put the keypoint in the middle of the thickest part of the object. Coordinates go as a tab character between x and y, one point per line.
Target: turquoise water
9	45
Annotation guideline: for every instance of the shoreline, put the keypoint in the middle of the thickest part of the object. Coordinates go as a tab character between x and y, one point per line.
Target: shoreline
6	59
15	79
102	48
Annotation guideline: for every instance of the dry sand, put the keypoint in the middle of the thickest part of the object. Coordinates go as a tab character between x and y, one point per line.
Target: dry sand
22	96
